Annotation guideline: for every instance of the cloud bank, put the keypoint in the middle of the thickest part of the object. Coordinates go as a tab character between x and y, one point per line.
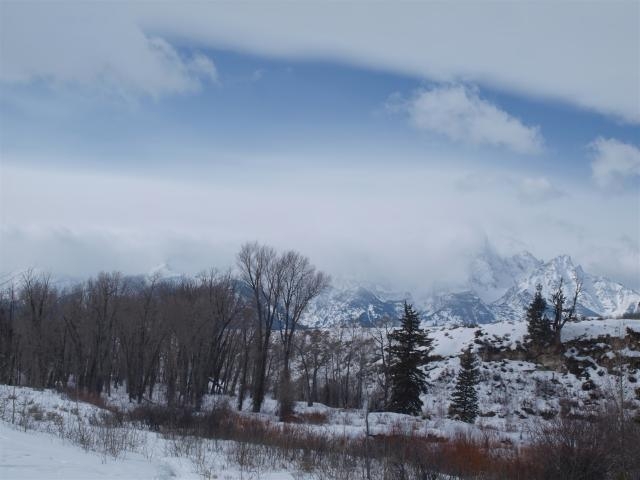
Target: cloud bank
96	47
585	54
414	226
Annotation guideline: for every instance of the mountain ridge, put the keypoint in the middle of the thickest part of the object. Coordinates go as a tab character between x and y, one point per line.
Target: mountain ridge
497	289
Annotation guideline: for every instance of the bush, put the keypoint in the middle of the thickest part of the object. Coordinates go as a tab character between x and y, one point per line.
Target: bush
604	446
311	418
81	395
158	418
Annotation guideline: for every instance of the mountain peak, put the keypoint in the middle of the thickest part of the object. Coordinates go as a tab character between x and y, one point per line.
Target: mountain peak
562	260
563	267
163	271
491	275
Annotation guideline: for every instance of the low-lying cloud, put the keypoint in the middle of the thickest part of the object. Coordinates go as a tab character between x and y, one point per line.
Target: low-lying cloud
414	226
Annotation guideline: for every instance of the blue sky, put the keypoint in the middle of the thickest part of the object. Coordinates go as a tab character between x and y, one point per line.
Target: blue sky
137	135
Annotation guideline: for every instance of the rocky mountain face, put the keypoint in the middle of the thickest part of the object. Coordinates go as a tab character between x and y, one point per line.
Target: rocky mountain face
346	306
497	289
599	296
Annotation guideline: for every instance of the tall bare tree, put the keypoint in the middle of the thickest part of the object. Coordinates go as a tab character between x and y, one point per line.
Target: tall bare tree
261	272
301	283
104	295
9	338
38	298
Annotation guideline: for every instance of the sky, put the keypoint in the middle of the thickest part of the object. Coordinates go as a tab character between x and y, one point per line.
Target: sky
389	141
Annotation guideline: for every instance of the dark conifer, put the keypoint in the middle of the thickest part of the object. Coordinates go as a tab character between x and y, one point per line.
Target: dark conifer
409	350
538	325
464	401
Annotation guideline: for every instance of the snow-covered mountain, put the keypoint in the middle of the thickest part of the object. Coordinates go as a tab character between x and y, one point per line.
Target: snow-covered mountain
355	304
165	272
599	296
17	277
491	275
462	308
498	288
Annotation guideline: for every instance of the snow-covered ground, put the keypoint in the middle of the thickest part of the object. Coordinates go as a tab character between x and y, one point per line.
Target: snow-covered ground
44	434
37	455
451	340
613	327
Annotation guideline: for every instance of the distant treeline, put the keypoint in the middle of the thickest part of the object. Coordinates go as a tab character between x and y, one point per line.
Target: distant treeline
234	333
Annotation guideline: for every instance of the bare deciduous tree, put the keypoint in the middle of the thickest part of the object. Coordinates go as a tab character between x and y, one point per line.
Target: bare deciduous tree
562	314
261	272
300	284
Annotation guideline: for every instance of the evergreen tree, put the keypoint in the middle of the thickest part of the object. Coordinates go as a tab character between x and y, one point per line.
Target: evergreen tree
409	349
464	401
538	325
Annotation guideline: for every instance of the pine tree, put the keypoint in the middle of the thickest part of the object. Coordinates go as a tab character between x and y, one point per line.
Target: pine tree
464	401
538	325
409	350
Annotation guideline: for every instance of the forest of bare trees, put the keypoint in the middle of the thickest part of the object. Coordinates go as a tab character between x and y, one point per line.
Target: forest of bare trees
235	333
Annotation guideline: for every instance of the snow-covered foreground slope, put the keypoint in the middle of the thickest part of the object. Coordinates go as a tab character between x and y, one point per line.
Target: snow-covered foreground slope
36	455
44	435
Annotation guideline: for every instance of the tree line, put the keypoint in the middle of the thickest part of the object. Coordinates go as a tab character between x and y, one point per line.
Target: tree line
236	333
190	336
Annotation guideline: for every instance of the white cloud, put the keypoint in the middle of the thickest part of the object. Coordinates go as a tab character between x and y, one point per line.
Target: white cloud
461	115
619	259
203	65
585	54
537	189
614	162
93	46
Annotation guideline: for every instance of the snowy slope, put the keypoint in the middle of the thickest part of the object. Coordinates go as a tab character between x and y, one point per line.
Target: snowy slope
37	455
52	437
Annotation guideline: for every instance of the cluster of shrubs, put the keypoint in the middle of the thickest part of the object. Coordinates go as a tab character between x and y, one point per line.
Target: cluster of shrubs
600	447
